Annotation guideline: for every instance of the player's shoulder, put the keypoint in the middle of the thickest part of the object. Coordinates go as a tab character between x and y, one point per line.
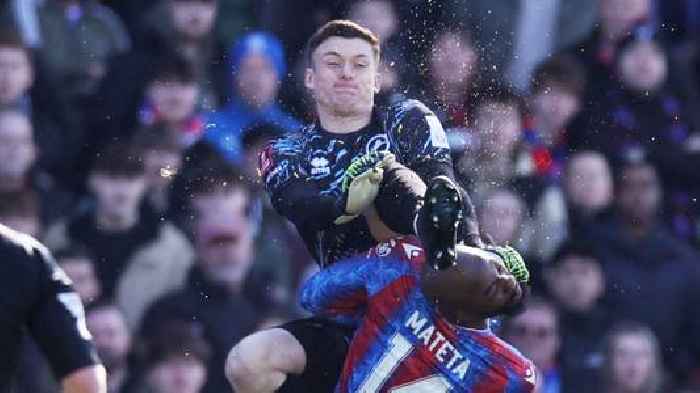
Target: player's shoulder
14	243
21	250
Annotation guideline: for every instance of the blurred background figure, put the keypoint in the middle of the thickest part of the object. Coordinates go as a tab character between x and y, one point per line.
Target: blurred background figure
258	66
231	284
575	281
535	333
79	266
138	256
451	83
583	200
632	360
175	360
113	341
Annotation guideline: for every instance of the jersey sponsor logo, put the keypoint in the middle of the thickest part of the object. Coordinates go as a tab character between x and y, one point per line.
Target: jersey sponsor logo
445	353
379	142
437	134
320	167
265	161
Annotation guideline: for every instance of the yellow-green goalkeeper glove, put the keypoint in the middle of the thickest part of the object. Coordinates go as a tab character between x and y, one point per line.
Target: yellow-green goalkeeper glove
513	261
361	183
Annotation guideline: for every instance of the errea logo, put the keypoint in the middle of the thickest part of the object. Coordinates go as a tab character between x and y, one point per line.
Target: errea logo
320	167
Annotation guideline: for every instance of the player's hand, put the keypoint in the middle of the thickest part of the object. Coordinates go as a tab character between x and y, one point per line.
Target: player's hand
513	261
361	183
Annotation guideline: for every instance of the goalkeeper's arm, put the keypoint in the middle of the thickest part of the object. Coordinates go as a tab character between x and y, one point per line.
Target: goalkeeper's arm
303	203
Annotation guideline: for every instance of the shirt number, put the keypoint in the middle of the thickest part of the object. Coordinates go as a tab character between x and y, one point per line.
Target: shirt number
399	349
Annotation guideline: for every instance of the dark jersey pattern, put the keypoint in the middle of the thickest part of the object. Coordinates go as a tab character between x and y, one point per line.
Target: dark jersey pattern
408	129
402	344
36	298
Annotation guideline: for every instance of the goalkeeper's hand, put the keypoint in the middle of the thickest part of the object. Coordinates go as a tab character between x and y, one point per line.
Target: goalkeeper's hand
361	182
513	261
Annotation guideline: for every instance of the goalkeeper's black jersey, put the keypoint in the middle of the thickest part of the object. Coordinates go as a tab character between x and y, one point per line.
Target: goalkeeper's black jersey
408	129
36	299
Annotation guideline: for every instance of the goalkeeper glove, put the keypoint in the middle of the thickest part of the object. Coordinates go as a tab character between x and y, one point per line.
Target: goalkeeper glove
513	261
360	183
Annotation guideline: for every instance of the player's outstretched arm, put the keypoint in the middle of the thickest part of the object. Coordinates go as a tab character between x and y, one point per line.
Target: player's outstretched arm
338	290
92	379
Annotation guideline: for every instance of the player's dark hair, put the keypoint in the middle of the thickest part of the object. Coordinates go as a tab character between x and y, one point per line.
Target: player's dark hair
631	158
119	159
23	203
157	137
498	94
562	71
173	68
341	28
72	251
217	179
260	132
528	302
579	247
177	339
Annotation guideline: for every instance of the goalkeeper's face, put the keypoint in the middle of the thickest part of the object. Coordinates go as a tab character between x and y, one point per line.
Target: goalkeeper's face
343	77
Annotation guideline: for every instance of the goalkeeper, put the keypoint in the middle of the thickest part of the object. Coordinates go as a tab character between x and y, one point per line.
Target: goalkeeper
323	177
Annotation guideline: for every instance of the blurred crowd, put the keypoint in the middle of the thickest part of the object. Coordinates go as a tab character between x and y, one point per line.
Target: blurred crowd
129	132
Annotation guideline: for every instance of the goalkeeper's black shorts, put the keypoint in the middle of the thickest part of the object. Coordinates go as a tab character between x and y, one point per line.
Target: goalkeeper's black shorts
326	343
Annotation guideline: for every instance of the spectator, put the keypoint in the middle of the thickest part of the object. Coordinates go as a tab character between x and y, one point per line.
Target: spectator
653	278
170	100
535	332
512	37
556	97
633	363
20	211
18	153
138	257
645	112
186	33
79	266
25	87
576	282
176	360
222	293
576	207
618	19
490	158
381	17
258	66
112	338
254	140
77	39
502	215
452	79
162	159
